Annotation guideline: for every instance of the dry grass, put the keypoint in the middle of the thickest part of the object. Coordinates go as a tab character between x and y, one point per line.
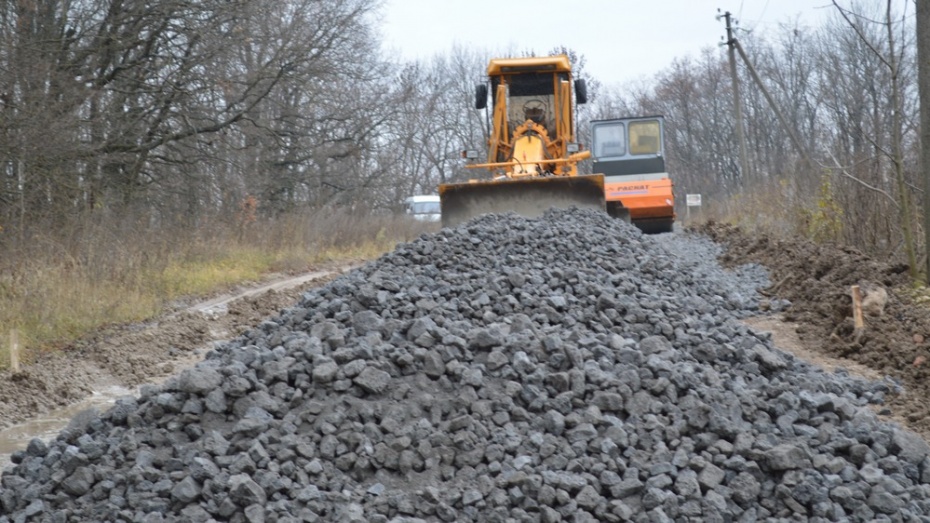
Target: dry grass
823	208
781	207
55	288
773	208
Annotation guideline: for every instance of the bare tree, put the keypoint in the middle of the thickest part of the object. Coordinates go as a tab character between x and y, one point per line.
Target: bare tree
923	60
163	106
885	40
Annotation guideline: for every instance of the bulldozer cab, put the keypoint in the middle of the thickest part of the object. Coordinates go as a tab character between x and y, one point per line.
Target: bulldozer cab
530	96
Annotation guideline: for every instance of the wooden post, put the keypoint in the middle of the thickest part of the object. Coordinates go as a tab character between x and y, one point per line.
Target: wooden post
857	308
14	351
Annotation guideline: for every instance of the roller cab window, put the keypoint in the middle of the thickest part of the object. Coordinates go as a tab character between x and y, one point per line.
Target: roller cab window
610	140
645	137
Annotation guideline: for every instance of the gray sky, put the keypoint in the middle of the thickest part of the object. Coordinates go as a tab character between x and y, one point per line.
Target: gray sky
623	40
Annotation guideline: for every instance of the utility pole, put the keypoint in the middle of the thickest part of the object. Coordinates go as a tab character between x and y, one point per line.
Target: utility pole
737	104
734	44
768	97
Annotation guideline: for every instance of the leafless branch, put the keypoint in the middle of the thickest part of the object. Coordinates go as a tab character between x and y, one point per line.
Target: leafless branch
845	172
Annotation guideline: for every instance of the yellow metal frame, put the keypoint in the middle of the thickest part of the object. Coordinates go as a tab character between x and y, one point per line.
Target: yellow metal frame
556	151
501	144
535	171
556	64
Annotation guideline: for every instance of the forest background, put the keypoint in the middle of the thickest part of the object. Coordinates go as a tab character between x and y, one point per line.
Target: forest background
151	149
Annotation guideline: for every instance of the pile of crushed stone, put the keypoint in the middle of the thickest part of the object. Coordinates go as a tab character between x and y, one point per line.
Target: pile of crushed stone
560	369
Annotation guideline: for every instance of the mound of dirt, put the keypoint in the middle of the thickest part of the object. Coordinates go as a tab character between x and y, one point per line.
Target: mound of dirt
817	280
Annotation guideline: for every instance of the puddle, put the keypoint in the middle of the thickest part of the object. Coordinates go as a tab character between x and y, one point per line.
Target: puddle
48	425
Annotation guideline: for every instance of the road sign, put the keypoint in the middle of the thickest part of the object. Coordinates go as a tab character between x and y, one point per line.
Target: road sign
693	200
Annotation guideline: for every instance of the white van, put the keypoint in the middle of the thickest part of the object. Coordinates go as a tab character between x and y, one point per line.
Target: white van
424	207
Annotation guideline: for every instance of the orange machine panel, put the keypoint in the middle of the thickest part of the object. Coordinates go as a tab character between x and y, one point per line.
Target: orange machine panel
644	198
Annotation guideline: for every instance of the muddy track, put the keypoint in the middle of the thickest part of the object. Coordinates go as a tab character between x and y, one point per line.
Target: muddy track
126	356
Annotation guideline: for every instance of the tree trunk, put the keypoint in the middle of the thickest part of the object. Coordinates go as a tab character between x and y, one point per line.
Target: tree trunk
923	82
904	197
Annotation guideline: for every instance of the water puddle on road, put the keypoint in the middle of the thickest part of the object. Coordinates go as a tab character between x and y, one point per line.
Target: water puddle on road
47	426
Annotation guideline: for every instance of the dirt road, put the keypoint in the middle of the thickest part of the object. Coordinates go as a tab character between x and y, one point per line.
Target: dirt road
816	328
438	380
39	401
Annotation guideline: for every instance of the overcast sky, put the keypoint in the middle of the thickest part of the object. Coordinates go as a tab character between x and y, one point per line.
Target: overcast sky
622	40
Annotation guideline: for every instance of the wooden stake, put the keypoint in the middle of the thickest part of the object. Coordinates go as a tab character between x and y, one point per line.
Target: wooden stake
14	351
857	308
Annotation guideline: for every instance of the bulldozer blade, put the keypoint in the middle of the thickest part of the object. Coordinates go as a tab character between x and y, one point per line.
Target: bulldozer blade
528	197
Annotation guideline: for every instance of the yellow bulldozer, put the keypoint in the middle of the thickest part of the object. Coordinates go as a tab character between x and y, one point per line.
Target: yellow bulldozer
532	152
533	155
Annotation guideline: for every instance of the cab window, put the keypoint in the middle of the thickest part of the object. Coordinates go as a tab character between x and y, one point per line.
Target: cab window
531	96
425	208
609	140
644	137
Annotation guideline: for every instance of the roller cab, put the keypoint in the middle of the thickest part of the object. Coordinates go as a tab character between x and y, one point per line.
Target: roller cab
629	153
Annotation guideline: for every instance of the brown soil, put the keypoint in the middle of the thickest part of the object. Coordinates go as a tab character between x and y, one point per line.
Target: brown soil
817	280
785	335
130	355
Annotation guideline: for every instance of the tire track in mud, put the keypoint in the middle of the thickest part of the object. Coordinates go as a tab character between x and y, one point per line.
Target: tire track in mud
41	399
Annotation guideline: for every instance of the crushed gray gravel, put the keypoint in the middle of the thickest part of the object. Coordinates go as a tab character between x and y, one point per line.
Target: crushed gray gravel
560	369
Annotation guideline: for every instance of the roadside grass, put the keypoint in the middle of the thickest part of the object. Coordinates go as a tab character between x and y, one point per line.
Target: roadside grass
770	208
57	288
